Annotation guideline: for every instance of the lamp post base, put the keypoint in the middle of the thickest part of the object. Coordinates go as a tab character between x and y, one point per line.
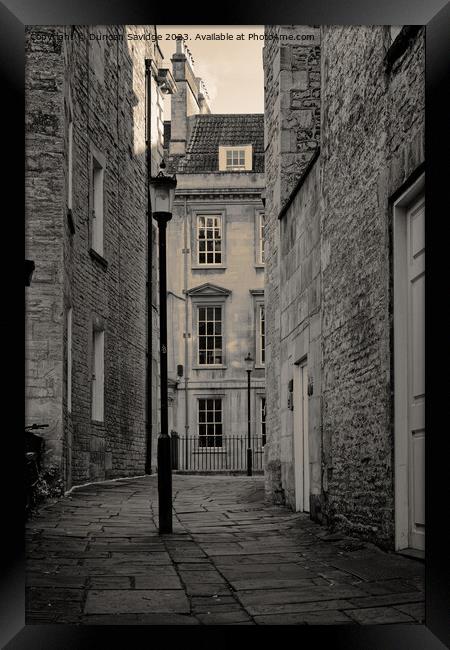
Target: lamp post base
249	462
164	483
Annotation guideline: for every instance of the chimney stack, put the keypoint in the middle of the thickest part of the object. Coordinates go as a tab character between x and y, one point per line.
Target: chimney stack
191	98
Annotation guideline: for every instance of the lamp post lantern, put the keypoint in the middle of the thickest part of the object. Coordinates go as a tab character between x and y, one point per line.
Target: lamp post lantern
249	363
162	192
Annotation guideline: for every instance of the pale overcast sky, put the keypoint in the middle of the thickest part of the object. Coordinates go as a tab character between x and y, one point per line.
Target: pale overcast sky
231	69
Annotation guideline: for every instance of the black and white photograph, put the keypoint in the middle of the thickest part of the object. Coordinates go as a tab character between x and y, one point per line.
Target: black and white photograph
225	325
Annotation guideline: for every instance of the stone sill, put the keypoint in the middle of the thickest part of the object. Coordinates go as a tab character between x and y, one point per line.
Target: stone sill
207	267
211	367
98	258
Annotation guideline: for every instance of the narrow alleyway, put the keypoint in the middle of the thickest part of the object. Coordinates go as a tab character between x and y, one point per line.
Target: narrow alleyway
95	557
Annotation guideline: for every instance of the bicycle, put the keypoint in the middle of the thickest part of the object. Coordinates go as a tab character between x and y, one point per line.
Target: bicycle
34	446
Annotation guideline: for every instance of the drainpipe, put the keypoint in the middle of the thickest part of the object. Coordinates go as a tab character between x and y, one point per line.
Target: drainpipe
186	328
148	144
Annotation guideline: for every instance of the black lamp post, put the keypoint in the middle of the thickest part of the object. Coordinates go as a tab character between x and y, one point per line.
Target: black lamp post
249	363
162	192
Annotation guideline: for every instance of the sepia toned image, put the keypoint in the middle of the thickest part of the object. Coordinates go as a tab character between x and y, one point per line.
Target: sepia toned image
225	315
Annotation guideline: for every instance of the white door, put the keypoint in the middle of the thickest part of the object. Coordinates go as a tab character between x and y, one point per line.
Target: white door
301	443
415	232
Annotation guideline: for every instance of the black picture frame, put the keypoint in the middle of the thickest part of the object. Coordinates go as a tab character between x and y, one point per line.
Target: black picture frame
435	14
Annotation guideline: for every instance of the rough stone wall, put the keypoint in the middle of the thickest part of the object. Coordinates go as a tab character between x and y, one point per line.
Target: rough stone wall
292	123
372	139
104	83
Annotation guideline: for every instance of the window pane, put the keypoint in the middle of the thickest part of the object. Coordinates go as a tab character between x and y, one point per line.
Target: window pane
201	233
210	245
210	258
218	328
202	258
218	313
201	222
217	258
201	246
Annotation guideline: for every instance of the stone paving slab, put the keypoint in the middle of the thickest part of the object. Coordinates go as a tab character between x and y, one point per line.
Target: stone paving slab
329	617
137	601
95	558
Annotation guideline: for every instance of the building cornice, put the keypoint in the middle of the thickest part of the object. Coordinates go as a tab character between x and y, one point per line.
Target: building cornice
210	193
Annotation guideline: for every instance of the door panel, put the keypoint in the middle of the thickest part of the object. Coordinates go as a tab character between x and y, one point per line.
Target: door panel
415	217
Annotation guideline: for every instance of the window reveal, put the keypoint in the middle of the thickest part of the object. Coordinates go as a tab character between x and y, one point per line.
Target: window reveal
209	240
210	335
210	422
262	335
235	159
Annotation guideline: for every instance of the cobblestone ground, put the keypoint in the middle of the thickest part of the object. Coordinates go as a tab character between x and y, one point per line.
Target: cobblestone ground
95	557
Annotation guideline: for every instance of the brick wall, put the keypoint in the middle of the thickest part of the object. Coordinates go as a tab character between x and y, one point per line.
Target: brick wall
103	83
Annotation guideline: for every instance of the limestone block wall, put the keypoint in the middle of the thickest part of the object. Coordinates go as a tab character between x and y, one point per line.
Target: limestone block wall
100	83
238	198
44	212
292	130
371	143
300	340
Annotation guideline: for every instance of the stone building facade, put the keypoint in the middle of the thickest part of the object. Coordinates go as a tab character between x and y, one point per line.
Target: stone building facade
215	273
86	229
347	276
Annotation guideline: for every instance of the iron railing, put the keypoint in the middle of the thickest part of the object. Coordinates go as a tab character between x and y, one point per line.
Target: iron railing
229	453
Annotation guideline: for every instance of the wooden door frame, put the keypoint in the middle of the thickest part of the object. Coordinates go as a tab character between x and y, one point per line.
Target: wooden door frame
401	457
299	453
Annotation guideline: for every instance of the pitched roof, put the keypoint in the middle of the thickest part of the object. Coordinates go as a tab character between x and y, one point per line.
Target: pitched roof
211	130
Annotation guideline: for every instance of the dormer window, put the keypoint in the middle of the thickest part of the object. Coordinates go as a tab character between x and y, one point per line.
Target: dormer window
235	159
